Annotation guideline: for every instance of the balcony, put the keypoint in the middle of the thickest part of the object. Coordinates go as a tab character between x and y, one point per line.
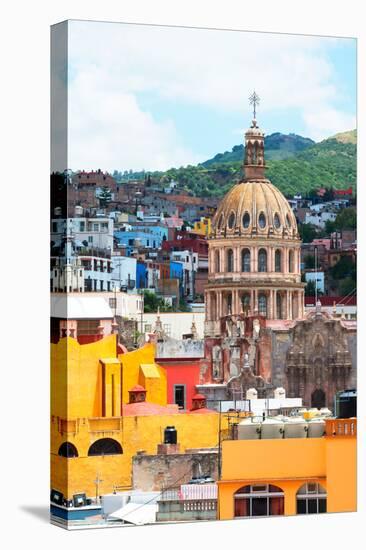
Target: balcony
341	427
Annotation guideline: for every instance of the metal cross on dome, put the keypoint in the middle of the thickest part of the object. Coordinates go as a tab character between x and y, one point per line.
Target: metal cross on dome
254	100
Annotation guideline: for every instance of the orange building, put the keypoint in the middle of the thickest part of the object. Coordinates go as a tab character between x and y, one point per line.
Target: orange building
267	477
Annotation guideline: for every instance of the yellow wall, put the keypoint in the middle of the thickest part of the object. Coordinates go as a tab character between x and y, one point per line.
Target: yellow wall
76	376
289	463
202	228
134	433
82	388
132	374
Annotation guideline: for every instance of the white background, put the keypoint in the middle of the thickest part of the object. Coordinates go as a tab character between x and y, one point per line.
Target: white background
24	368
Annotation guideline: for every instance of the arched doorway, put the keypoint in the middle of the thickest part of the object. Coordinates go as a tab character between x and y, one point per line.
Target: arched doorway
318	398
259	500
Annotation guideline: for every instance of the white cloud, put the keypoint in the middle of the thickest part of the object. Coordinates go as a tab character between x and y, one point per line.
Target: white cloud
108	129
111	63
328	122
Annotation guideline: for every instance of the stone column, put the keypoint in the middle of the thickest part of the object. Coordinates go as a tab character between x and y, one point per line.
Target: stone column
255	259
255	300
220	304
271	259
287	304
237	302
285	260
252	301
208	306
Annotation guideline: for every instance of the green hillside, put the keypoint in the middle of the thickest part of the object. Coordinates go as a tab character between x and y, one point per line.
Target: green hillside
308	165
277	146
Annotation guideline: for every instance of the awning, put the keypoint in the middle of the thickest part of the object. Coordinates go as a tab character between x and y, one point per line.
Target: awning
136	513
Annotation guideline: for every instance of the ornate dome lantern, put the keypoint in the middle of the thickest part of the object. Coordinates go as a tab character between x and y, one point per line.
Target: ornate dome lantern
254	246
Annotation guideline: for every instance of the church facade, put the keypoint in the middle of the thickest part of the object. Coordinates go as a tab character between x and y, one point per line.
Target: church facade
256	332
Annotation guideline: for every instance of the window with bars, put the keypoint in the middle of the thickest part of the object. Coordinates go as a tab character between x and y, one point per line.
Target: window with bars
259	500
311	498
229	261
262	304
278	261
262	260
245	260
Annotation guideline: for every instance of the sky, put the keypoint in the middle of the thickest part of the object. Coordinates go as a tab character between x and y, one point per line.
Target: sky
151	98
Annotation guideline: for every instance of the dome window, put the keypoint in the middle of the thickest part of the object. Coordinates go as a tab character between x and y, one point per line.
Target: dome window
262	220
219	223
276	221
246	220
231	220
288	222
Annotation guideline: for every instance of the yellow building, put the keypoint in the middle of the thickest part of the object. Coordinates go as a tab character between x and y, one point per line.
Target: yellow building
203	227
289	476
96	427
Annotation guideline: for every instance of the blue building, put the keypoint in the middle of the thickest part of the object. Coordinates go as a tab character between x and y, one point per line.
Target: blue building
141	275
177	272
144	235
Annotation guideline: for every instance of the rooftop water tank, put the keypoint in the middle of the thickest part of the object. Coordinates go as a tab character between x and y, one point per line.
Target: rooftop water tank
78	210
252	393
280	393
316	427
324	411
170	435
272	429
295	428
249	428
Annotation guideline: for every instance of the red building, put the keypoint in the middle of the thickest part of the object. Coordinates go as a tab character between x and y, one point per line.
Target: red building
181	359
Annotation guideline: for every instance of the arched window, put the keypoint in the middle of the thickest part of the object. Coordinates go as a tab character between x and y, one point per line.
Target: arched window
217	261
318	398
262	304
68	450
262	260
278	267
278	306
245	299
311	498
106	446
291	261
245	260
230	261
259	500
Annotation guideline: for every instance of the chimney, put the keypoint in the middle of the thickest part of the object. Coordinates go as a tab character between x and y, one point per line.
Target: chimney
137	394
198	402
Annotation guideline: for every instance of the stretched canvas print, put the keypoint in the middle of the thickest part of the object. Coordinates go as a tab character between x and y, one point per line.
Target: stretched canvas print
203	274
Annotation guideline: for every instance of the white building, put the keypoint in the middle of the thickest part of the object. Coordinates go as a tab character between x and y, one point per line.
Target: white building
67	277
319	218
189	260
86	233
175	324
90	240
124	272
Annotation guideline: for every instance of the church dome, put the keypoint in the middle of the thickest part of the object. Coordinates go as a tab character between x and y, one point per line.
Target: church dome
254	208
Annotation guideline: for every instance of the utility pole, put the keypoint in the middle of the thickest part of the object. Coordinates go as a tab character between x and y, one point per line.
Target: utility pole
97	482
316	273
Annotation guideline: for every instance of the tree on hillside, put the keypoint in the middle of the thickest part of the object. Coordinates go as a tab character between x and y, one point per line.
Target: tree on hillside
309	261
346	219
307	232
152	302
310	289
105	196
